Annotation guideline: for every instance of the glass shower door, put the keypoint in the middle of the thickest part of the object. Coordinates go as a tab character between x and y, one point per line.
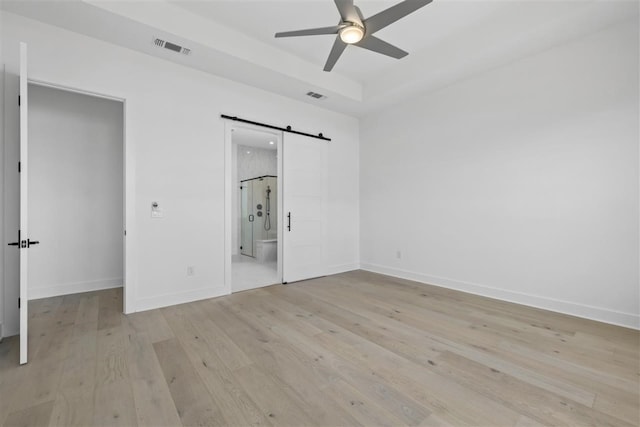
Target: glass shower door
247	219
258	207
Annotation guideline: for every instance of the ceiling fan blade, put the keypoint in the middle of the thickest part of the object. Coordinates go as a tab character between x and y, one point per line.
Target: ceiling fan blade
380	46
392	14
338	47
348	11
310	32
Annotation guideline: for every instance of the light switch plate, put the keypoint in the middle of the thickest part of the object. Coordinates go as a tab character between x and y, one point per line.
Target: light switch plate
156	210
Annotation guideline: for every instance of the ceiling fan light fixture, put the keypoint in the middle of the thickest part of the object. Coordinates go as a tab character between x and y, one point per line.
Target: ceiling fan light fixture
354	29
351	34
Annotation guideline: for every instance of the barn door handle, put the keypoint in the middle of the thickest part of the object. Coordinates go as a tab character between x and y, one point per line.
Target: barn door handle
289	221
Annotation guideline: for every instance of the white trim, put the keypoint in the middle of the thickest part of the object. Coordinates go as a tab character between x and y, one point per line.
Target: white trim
74	90
130	267
74	288
180	298
343	268
228	204
600	314
280	206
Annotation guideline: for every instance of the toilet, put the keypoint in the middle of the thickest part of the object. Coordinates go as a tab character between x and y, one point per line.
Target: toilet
267	250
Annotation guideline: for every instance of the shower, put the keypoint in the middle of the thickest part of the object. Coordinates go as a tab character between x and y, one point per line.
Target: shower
258	213
267	210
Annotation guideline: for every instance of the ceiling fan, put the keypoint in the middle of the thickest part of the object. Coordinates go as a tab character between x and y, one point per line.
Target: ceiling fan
354	29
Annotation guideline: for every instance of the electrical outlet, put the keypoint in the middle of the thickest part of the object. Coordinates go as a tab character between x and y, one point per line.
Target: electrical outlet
399	254
191	271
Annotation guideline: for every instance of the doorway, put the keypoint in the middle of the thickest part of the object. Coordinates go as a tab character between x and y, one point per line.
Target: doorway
255	216
301	202
76	192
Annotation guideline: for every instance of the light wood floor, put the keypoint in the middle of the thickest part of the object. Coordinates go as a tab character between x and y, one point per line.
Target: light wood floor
346	350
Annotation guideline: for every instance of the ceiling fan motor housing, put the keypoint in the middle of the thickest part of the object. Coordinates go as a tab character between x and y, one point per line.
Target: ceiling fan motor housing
352	33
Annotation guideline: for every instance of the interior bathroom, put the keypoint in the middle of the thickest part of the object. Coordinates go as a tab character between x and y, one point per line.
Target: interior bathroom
255	213
258	216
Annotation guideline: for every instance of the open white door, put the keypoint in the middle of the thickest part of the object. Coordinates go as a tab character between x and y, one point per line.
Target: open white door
24	228
304	174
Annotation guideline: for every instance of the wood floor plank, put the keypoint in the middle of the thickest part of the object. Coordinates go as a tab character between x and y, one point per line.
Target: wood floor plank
111	363
237	407
44	307
306	397
564	386
423	351
192	400
9	376
446	327
110	308
113	404
37	415
293	368
88	308
153	402
521	396
150	323
333	367
36	383
113	396
80	363
367	411
300	381
356	348
277	402
224	347
73	407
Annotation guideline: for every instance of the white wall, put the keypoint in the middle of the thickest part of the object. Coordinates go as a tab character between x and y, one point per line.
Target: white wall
520	183
254	162
75	192
175	155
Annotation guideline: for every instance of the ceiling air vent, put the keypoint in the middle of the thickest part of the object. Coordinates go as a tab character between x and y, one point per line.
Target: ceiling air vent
171	46
316	95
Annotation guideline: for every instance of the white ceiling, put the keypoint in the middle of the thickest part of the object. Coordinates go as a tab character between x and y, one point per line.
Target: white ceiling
447	40
261	19
254	138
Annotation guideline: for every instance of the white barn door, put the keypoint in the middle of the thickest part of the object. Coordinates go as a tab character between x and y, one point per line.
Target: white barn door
304	218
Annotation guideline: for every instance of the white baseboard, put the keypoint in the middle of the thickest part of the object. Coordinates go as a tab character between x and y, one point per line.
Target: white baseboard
167	300
75	288
600	314
343	268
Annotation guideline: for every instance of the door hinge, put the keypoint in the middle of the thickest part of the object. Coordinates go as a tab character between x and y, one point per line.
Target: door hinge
18	302
18	100
125	232
240	247
19	167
